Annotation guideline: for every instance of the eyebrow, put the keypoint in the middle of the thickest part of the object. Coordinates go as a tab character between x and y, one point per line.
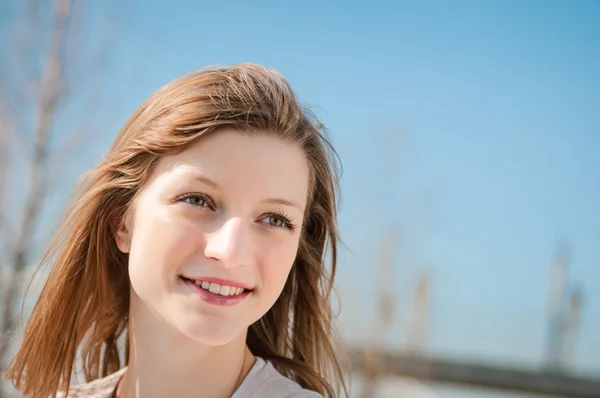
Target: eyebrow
207	181
283	202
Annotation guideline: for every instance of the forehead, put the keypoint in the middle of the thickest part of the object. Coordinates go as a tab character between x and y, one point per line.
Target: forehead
258	164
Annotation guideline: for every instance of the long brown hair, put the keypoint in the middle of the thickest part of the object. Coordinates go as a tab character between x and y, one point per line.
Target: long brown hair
82	310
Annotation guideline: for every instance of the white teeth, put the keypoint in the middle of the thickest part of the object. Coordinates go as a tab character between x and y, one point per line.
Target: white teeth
222	290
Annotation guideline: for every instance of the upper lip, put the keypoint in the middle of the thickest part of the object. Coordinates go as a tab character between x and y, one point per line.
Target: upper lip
220	281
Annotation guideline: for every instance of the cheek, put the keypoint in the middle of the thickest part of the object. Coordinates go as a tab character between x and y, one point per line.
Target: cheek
160	244
277	262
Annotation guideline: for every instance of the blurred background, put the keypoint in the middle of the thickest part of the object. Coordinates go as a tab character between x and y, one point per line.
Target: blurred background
469	133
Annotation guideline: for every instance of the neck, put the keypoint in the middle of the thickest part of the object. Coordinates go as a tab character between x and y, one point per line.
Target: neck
165	363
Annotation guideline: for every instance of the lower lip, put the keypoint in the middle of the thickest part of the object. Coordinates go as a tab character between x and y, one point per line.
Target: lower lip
216	299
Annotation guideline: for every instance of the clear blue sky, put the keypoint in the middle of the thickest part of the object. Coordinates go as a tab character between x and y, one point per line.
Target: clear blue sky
473	127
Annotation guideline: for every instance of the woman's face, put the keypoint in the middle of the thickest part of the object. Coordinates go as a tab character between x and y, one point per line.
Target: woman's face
215	233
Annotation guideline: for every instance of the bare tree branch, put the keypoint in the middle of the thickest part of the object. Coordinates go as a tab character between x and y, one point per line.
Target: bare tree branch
37	86
6	137
47	102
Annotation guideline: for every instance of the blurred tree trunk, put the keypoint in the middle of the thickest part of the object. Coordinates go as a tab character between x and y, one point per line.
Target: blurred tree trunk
33	93
374	366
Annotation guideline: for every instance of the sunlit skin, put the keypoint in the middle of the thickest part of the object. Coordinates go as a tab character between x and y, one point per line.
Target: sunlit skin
230	207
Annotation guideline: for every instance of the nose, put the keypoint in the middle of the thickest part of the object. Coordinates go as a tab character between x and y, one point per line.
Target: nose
230	244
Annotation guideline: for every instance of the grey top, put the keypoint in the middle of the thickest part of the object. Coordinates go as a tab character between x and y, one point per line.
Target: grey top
262	381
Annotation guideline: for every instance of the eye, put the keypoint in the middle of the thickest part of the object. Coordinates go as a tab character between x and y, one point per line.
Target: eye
279	221
275	221
195	199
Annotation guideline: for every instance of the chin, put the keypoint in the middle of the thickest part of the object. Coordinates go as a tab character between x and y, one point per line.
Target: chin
212	332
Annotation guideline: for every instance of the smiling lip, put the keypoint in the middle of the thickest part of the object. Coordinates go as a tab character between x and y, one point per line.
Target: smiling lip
219	281
214	298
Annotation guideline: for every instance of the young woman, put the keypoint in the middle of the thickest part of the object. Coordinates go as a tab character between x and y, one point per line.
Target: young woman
200	242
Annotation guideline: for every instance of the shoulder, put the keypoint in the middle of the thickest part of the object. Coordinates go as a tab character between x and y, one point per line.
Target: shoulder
100	388
268	382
